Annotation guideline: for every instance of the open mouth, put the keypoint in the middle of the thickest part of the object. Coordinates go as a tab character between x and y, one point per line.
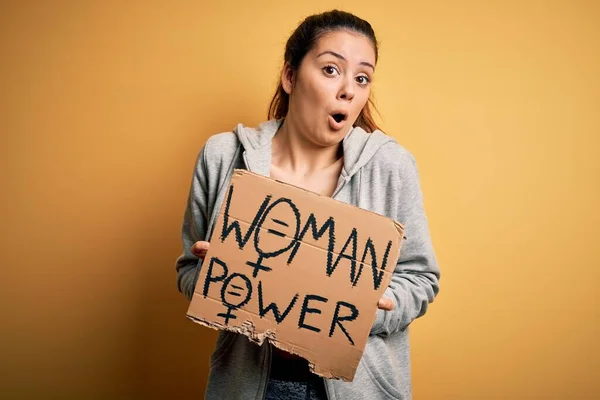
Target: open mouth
339	117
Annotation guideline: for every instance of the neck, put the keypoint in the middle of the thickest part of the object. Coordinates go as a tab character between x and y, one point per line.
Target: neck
293	152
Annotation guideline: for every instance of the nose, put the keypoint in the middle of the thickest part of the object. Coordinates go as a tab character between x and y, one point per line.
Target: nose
346	91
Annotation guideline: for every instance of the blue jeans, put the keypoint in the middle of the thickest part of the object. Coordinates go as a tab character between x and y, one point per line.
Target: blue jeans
288	390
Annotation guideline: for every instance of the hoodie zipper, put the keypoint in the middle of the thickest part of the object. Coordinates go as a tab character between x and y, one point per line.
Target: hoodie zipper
269	361
326	389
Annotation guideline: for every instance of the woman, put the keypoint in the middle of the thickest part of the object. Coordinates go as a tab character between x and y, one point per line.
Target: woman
320	136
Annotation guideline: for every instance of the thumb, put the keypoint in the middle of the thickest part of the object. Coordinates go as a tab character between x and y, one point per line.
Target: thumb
385	304
200	248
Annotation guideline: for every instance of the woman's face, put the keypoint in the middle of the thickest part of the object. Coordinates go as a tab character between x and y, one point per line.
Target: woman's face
331	86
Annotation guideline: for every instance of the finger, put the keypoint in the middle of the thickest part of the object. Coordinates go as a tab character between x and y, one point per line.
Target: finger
199	252
200	248
385	304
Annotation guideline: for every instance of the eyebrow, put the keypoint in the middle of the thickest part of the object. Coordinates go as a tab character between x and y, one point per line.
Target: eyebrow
341	57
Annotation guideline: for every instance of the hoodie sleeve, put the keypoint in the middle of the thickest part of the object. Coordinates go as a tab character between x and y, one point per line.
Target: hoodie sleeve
415	281
194	227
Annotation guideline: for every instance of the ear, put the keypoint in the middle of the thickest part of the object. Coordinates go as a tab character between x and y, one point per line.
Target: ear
287	78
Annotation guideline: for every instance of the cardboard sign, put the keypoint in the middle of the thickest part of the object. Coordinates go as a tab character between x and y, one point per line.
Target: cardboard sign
301	270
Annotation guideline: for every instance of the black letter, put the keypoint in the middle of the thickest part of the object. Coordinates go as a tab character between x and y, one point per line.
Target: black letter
277	252
337	318
262	254
231	306
224	291
351	257
377	275
235	225
306	310
210	278
311	222
272	306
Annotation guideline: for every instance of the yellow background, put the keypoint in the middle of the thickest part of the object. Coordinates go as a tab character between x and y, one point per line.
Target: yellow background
104	106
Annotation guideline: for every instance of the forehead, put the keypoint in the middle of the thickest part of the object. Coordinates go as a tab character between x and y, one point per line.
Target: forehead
354	46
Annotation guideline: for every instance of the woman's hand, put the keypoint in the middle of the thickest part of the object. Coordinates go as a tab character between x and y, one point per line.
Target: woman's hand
200	248
385	304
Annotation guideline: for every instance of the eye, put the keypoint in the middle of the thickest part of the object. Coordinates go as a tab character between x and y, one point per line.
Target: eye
330	70
363	80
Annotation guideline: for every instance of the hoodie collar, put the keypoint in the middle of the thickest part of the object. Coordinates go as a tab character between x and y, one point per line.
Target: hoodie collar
359	147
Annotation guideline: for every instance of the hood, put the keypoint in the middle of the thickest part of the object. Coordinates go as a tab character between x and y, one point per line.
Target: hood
359	147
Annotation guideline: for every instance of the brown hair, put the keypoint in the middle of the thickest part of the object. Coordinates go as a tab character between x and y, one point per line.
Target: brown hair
304	39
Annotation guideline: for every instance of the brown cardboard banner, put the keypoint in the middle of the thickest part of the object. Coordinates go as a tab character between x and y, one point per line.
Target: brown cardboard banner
301	270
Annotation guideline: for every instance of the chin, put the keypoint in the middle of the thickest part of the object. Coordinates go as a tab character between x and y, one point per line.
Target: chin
330	139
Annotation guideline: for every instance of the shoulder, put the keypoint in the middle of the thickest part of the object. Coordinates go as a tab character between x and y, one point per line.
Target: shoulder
221	142
219	148
395	167
392	156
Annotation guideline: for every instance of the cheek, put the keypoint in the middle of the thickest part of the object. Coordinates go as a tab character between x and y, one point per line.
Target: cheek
318	89
363	100
358	107
305	95
317	93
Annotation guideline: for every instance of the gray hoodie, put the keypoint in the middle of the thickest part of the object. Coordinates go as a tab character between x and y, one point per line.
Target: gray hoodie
378	175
